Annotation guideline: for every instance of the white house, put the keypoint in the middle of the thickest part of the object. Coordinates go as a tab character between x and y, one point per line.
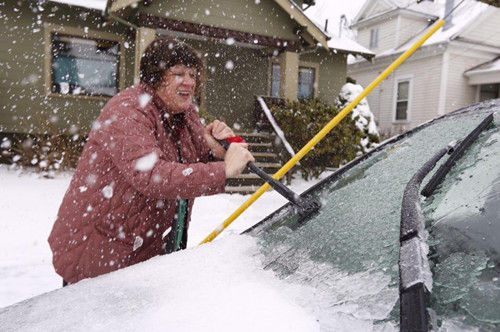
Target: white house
455	67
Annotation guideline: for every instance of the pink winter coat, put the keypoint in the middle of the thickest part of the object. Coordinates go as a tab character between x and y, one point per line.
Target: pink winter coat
123	194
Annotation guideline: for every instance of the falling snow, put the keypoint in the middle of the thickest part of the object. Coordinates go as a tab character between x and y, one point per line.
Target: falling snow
187	171
147	162
137	243
107	191
229	65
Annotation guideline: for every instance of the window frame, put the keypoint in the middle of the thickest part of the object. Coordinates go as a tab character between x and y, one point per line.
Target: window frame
395	100
49	29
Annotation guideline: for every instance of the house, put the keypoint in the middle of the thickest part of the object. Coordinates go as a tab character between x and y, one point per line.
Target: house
455	67
60	63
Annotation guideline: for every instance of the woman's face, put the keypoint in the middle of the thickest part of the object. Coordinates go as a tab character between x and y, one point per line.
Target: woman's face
178	88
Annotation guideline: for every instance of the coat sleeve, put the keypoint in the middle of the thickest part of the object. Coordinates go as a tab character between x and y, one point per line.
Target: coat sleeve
198	133
128	134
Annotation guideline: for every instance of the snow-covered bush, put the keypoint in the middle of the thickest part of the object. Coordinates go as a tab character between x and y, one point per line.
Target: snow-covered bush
301	120
364	118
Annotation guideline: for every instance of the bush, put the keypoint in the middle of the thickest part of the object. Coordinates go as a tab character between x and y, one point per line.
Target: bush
45	153
301	120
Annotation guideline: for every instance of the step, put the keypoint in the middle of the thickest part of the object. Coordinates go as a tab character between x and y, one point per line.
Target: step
267	165
261	137
254	134
247	176
265	156
260	147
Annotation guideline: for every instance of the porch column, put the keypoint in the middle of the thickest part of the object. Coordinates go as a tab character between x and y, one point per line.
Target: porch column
143	38
289	74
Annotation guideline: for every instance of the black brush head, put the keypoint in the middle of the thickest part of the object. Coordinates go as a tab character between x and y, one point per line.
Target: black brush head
308	209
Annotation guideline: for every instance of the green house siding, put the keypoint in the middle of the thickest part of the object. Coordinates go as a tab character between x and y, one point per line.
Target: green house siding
24	105
235	73
265	18
332	72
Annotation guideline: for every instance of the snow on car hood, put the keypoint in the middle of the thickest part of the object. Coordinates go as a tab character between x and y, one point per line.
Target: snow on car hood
216	286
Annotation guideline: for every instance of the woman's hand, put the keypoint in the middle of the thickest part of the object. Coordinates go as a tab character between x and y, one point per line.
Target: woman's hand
214	131
236	159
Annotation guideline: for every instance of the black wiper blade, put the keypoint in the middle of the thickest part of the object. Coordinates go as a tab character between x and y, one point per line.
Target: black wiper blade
414	270
456	154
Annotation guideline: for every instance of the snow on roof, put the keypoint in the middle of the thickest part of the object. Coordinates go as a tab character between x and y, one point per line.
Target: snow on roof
348	45
464	15
487	67
341	44
92	4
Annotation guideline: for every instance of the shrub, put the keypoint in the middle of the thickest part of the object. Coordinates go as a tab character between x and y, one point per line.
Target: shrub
45	153
301	120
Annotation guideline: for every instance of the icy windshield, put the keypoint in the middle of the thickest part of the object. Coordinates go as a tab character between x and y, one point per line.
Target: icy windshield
464	226
348	253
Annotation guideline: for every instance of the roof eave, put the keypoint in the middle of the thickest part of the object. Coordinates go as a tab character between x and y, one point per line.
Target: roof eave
298	16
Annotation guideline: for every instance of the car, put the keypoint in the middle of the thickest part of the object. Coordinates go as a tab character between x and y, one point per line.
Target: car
448	275
378	255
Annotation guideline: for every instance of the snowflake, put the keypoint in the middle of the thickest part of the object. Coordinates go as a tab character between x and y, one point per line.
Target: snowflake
187	171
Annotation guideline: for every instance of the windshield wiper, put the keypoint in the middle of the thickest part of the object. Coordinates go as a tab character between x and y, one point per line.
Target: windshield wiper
415	278
414	272
459	151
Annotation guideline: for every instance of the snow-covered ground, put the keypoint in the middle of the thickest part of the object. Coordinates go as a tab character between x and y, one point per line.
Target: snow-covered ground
29	205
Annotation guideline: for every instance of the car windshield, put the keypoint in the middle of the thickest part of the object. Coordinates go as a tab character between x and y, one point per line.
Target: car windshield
348	252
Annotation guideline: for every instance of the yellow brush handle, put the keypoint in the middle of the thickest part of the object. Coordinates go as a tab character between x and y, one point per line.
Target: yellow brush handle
329	126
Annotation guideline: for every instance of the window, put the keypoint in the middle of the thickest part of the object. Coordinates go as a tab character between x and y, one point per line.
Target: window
84	66
402	100
489	91
307	77
275	80
373	38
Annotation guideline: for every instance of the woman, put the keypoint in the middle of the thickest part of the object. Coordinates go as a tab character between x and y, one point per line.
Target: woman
147	154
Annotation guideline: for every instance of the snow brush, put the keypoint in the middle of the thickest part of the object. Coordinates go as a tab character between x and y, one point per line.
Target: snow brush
329	126
305	207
